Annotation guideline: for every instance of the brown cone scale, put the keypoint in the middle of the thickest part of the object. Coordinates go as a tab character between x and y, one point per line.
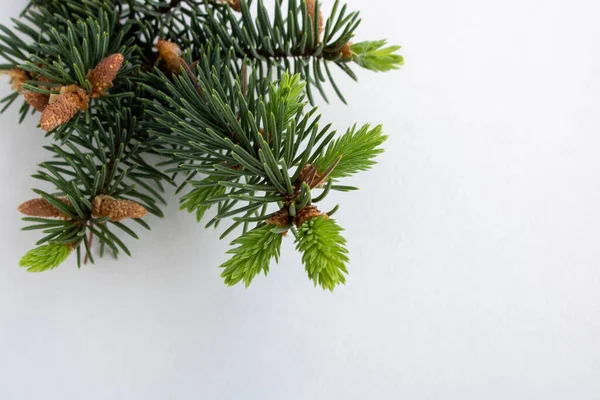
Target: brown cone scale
308	212
43	209
281	218
170	54
63	107
103	75
116	209
235	5
38	101
346	50
310	8
17	78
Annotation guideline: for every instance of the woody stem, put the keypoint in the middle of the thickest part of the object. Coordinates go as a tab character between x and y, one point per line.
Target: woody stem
90	243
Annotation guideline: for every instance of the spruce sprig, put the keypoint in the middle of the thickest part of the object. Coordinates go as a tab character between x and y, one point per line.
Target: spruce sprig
324	252
298	39
46	257
253	255
373	55
356	151
269	174
222	92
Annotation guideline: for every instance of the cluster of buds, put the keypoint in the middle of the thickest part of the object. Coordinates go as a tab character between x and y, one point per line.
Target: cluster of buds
102	206
283	219
313	178
58	109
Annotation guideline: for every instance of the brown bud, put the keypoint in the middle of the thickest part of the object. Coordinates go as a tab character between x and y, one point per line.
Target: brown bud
63	107
42	78
281	218
309	174
312	177
346	50
38	101
17	78
43	209
310	8
308	212
170	54
117	210
235	5
103	75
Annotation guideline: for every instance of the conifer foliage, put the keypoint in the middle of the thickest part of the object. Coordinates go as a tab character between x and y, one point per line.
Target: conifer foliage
221	93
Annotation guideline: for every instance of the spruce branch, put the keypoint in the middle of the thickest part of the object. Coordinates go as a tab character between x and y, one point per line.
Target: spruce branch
299	39
95	178
197	200
254	156
221	92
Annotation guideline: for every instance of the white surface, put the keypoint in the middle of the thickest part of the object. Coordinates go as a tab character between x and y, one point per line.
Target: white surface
475	243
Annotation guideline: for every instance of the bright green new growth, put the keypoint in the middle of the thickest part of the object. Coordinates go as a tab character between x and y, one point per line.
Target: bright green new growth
324	252
45	258
195	200
253	255
229	113
376	57
357	149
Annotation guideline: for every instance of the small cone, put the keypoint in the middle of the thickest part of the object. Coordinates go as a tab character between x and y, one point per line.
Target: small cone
281	219
117	210
63	107
346	50
235	5
38	101
170	54
310	8
43	209
17	78
103	75
42	78
312	177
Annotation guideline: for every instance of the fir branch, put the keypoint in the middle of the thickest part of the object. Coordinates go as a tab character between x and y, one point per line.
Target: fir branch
291	42
227	99
95	172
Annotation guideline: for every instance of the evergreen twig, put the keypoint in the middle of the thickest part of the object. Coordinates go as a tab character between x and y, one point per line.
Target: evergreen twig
220	93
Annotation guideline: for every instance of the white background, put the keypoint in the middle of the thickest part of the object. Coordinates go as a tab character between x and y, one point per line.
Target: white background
475	242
